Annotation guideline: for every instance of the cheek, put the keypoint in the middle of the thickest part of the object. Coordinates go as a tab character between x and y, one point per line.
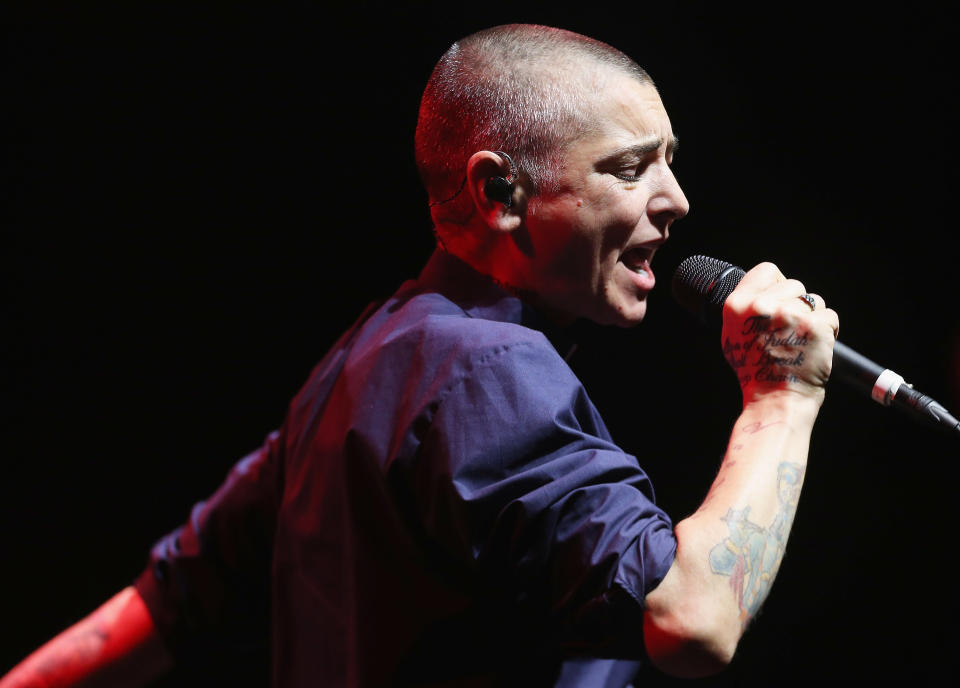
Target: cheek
573	258
558	231
618	222
595	240
582	238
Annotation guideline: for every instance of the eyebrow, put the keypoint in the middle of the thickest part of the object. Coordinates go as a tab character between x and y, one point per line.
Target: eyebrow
642	149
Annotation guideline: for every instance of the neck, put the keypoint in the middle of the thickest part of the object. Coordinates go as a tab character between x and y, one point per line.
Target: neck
499	268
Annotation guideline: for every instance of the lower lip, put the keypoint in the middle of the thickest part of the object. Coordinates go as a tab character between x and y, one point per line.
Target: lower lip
644	282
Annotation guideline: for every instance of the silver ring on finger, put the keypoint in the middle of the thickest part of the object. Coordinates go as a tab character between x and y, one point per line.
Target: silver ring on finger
809	300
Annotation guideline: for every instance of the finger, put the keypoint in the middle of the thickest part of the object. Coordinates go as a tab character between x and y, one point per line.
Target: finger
787	289
781	296
823	319
812	301
759	278
832	319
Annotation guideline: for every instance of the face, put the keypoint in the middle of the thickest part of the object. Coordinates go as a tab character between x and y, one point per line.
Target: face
595	236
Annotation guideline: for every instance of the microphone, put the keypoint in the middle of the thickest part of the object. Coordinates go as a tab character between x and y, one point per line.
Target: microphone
702	284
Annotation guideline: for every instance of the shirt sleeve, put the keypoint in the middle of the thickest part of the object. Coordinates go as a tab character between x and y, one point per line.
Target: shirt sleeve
518	475
206	584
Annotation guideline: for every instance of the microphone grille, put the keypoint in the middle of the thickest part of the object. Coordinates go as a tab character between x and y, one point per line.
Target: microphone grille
701	284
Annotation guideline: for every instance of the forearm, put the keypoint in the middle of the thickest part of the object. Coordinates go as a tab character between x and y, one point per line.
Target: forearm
778	339
740	530
115	645
729	550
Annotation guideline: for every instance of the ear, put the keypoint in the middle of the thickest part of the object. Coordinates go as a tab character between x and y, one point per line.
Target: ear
499	216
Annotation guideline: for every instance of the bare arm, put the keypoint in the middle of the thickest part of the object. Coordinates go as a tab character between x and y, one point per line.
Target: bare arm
116	645
729	550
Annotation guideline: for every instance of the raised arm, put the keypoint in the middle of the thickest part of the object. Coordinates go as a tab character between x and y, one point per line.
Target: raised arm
729	550
116	645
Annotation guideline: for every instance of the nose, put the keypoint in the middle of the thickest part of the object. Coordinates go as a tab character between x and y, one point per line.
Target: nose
668	203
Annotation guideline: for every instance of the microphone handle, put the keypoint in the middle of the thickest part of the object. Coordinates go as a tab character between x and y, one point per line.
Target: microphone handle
855	369
888	388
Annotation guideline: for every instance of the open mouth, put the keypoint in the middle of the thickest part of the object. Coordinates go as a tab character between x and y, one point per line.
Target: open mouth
637	260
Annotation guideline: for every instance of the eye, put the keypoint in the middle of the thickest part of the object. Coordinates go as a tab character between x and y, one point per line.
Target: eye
632	173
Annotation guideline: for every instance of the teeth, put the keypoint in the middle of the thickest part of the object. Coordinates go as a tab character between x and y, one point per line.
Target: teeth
636	260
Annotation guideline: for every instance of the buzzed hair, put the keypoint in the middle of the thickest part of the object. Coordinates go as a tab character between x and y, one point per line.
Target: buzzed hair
521	88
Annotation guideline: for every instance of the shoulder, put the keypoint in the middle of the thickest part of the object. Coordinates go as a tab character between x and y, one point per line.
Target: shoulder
427	350
436	315
443	338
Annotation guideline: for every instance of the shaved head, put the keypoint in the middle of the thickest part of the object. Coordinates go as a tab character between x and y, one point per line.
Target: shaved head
525	89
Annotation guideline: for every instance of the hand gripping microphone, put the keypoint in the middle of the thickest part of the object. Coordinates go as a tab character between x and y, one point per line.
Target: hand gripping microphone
702	284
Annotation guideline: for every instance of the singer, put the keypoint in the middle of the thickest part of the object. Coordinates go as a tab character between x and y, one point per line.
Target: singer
443	504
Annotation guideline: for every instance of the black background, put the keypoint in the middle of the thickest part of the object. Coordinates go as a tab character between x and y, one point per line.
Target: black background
196	200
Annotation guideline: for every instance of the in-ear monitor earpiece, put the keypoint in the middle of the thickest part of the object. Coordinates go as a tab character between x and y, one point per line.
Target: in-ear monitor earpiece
501	188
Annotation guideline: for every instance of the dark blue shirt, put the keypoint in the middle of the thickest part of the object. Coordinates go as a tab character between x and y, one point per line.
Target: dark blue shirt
443	505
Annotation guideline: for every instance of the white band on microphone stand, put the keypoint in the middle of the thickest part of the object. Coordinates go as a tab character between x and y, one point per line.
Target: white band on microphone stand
886	386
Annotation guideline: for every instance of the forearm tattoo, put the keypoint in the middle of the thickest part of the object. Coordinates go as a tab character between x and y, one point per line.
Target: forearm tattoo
751	555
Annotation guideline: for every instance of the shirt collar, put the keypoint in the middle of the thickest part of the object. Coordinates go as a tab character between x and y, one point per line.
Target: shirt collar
480	296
